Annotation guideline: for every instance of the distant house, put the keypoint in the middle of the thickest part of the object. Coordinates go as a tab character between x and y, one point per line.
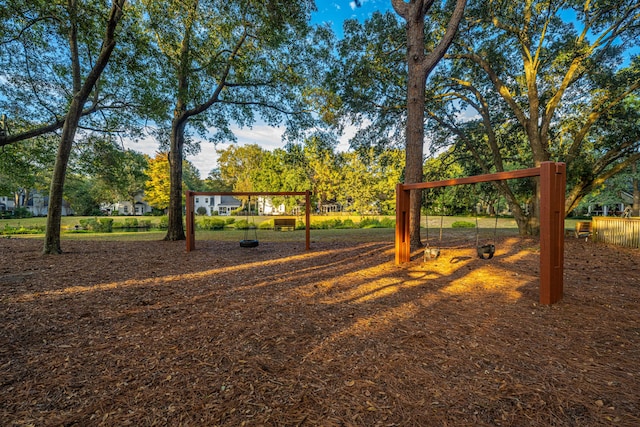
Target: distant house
266	207
134	208
226	205
38	205
217	205
595	207
6	204
33	201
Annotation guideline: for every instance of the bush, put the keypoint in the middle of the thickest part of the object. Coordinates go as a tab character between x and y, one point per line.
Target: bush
102	225
201	210
130	222
463	224
266	225
388	223
22	213
243	224
211	224
106	225
370	223
90	224
164	222
348	223
324	225
230	221
34	229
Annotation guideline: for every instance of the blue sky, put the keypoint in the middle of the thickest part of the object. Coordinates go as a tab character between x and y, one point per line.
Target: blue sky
335	12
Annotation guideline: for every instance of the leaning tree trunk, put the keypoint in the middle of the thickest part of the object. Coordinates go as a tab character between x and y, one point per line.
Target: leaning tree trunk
54	210
81	93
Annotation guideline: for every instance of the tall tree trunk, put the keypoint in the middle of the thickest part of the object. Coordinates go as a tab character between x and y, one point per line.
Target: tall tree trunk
415	147
175	230
419	66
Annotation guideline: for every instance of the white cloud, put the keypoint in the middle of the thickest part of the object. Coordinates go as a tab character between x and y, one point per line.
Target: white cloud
267	137
146	145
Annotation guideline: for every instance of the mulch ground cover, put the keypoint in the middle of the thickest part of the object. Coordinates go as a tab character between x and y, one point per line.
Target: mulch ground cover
143	334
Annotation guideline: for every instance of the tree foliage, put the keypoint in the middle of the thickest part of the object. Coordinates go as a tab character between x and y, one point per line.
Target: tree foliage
543	88
27	166
157	188
223	62
372	82
523	83
53	77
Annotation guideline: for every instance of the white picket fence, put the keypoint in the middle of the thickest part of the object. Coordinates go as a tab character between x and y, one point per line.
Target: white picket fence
618	231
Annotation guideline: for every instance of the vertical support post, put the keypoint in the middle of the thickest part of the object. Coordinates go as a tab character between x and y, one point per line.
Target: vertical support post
307	219
191	235
403	243
552	195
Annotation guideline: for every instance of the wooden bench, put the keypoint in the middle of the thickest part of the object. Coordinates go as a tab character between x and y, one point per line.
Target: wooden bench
280	224
583	229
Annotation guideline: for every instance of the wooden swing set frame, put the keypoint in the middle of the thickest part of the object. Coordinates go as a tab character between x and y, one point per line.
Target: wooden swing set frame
190	213
552	197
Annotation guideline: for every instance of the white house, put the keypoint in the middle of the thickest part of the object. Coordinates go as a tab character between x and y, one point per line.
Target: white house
6	203
266	207
38	205
223	205
136	207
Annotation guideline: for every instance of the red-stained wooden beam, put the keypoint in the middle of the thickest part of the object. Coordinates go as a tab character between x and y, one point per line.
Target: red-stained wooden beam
403	244
552	189
552	197
190	213
190	219
498	176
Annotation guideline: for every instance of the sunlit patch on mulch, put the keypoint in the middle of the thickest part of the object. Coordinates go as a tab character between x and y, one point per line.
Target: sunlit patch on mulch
142	333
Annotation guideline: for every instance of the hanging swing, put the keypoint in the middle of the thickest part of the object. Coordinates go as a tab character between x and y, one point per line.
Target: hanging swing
429	252
247	242
487	251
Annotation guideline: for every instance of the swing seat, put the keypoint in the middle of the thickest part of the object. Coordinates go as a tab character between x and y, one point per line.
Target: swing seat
431	253
486	251
249	243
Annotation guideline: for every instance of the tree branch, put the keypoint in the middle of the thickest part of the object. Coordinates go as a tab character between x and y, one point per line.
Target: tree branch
432	59
598	110
215	96
500	86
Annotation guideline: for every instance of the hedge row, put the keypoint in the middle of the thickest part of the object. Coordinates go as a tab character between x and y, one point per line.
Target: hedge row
242	224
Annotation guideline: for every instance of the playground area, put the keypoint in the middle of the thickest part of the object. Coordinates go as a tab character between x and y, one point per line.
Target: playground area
141	333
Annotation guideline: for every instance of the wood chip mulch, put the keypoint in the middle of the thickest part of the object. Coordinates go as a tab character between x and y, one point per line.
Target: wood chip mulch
145	334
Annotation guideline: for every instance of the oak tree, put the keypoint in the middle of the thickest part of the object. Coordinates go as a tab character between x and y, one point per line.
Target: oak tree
223	62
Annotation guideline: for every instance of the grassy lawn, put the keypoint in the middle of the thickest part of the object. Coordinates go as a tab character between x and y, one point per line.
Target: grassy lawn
505	226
